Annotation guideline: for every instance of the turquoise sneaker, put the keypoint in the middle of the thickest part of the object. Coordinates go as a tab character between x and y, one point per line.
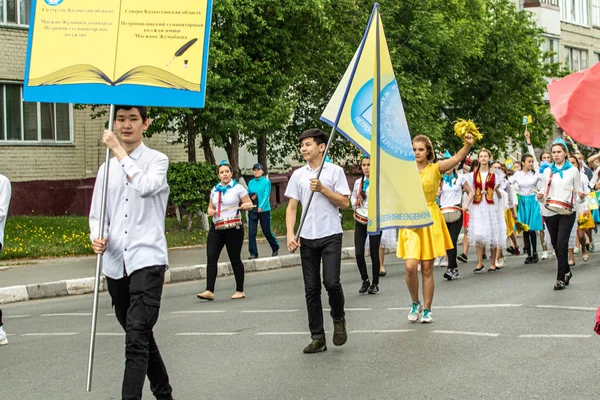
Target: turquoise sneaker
427	318
415	312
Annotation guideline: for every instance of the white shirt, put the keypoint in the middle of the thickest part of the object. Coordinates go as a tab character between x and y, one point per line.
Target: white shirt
322	217
452	196
135	212
353	198
561	188
5	193
526	182
232	198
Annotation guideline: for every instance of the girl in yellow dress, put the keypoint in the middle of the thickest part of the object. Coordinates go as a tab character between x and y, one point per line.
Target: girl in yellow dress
423	245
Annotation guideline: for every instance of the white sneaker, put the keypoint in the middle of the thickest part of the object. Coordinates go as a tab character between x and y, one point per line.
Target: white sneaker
3	339
500	262
427	318
444	262
544	255
577	250
415	312
437	261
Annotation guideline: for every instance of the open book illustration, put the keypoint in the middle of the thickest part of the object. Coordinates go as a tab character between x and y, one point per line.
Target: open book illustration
141	75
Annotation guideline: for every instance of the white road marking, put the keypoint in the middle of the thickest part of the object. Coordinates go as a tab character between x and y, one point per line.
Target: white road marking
110	334
51	334
467	333
199	312
480	306
351	309
568	308
110	315
280	333
384	331
465	306
569	336
267	311
15	316
67	315
207	334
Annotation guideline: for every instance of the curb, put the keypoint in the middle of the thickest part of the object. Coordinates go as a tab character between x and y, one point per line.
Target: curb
72	287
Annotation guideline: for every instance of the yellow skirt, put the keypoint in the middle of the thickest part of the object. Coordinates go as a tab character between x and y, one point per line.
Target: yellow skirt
510	222
425	243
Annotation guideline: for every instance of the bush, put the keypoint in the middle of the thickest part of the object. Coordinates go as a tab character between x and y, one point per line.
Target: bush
191	184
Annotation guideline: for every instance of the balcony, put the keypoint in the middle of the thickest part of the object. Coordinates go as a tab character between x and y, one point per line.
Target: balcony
547	13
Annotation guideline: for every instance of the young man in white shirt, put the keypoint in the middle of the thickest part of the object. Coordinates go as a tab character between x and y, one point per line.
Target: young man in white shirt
134	246
321	235
5	193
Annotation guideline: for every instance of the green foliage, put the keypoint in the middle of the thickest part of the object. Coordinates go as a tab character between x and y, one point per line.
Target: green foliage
191	184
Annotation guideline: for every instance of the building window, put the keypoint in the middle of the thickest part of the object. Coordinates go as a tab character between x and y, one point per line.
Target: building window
550	50
596	13
15	12
575	11
576	59
33	122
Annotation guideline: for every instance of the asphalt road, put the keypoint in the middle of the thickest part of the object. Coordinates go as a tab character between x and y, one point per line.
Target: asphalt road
505	335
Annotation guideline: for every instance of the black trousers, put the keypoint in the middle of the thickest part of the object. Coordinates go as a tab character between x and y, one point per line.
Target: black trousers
530	240
454	228
265	223
1	317
312	252
360	236
136	300
233	239
560	227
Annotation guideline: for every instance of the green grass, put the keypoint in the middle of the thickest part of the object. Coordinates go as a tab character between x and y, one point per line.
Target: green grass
44	237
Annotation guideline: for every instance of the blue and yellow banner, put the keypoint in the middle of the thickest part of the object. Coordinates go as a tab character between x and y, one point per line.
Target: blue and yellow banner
367	109
151	53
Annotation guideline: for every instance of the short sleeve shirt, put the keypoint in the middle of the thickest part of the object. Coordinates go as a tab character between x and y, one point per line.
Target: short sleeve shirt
232	199
322	218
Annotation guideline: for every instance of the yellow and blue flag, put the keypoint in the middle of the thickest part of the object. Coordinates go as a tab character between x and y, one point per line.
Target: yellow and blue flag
367	109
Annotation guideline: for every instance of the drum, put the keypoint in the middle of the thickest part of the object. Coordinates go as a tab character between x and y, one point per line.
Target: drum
559	207
360	216
451	214
227	223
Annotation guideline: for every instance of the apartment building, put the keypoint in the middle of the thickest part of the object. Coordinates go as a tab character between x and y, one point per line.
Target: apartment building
50	152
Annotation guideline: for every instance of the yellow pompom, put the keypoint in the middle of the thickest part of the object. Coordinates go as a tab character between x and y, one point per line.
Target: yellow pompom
464	127
521	227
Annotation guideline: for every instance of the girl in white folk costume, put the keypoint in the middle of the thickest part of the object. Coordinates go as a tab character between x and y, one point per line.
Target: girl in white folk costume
487	227
451	205
527	182
562	183
360	204
226	230
545	161
508	208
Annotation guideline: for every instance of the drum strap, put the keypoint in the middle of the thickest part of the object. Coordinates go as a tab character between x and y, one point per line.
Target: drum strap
219	206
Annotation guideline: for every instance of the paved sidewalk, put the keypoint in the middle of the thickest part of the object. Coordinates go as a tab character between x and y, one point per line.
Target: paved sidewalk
71	276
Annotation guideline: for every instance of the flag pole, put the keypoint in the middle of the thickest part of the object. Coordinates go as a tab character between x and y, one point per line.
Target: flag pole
99	258
337	120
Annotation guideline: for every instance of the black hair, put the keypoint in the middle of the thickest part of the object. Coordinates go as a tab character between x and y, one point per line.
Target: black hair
224	165
363	195
142	109
318	135
524	158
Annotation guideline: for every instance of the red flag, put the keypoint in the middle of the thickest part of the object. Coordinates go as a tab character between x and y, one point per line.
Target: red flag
575	104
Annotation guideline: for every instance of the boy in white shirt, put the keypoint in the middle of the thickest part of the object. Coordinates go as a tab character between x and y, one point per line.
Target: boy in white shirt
134	246
321	235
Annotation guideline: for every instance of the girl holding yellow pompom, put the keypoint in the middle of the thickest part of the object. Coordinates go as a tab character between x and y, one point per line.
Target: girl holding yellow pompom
423	245
487	226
